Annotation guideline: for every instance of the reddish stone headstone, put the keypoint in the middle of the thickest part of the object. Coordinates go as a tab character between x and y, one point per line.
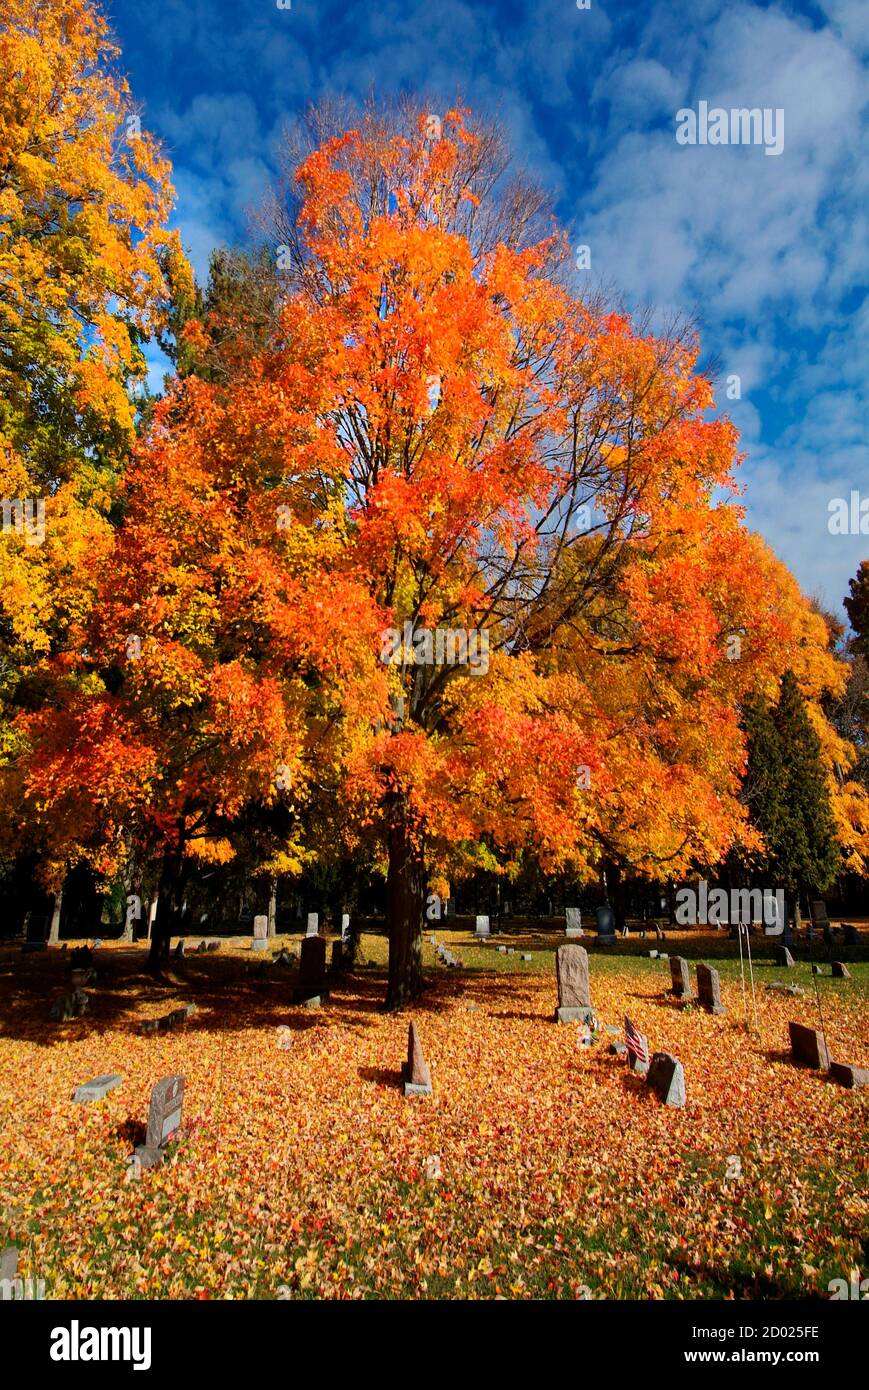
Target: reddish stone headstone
808	1047
415	1072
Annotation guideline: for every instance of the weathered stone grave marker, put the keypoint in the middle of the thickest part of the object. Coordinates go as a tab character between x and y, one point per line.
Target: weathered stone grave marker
415	1071
680	978
164	1120
574	996
606	925
808	1047
311	986
783	957
96	1089
313	926
846	1075
482	927
260	940
709	989
667	1079
70	1005
573	918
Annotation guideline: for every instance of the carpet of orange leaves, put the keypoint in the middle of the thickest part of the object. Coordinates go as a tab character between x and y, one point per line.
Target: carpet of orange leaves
303	1172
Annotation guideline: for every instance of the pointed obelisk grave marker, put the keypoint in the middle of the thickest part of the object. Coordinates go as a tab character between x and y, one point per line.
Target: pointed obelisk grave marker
414	1072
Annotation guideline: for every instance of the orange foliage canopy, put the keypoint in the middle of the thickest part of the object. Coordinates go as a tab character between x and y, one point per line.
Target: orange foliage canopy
444	436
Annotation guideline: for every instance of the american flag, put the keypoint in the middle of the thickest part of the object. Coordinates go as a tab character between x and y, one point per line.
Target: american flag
635	1042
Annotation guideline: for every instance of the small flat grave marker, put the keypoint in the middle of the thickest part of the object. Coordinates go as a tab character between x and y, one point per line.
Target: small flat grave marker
96	1089
846	1075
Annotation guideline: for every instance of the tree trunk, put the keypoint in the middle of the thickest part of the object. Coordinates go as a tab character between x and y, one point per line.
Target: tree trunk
169	898
616	882
54	933
273	907
405	912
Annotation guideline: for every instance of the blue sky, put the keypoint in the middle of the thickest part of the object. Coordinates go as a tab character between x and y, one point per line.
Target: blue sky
769	253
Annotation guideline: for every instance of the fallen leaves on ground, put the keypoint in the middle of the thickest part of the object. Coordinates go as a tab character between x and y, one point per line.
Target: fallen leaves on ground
302	1169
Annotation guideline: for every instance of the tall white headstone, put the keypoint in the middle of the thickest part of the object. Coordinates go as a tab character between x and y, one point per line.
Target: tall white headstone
482	928
260	933
573	918
313	924
345	926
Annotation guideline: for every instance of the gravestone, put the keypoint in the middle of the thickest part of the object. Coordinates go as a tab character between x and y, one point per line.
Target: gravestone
849	934
164	1120
840	971
680	978
345	926
482	927
667	1079
709	989
450	909
260	940
311	986
313	924
179	950
96	1089
8	1264
574	997
415	1071
653	955
70	1005
618	1049
606	924
846	1075
526	956
573	917
783	956
808	1047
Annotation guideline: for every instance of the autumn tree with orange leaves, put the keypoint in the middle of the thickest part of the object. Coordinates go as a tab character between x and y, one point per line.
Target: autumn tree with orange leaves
454	565
84	199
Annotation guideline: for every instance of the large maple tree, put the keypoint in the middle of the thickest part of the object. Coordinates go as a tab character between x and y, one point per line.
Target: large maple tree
442	440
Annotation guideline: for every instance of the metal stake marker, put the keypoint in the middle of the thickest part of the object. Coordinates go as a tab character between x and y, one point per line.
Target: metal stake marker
742	973
751	977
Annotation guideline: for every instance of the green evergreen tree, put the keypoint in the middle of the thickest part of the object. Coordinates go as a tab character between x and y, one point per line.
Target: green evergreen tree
806	848
857	608
764	782
788	797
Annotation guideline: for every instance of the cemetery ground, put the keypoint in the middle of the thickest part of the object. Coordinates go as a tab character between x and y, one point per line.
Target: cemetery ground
538	1168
